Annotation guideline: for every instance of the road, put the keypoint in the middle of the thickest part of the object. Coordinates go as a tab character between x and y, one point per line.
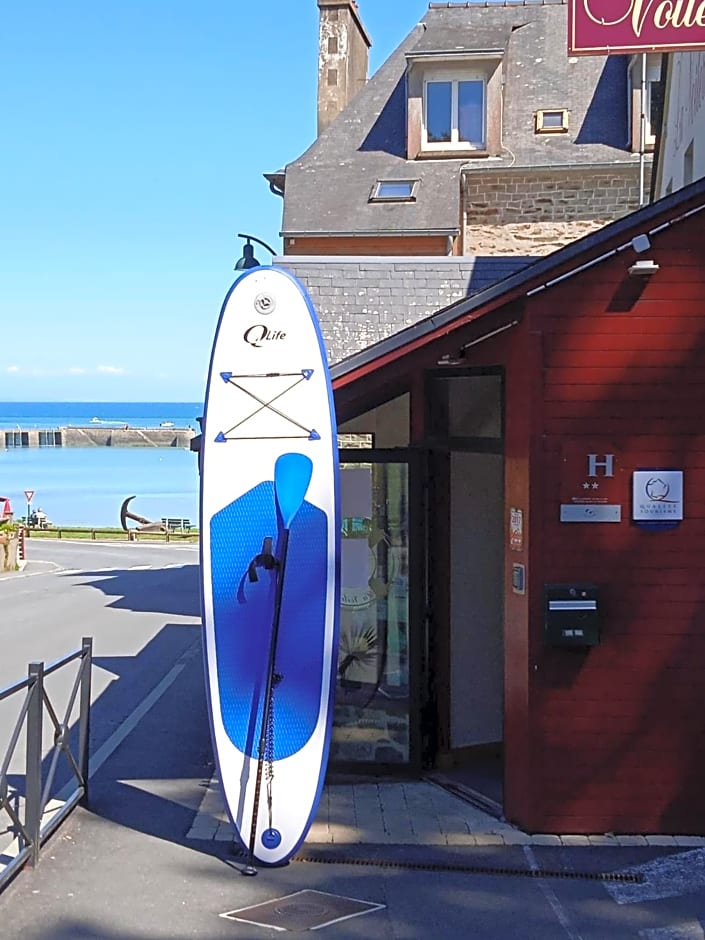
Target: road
139	602
123	594
128	868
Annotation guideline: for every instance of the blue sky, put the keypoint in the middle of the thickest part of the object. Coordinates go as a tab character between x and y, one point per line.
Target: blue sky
135	136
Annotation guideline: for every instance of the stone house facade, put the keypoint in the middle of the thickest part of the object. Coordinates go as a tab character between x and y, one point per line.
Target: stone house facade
477	136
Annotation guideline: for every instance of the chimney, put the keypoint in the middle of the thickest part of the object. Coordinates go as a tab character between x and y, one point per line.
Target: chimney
343	48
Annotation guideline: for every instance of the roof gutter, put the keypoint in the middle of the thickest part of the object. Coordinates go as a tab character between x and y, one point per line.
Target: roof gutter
361	233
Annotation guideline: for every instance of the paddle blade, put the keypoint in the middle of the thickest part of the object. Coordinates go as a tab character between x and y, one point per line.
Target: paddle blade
292	475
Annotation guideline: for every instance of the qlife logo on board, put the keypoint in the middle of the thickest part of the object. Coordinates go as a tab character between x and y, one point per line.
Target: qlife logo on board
259	334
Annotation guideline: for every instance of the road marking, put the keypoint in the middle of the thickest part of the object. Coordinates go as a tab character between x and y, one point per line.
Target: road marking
690	931
109	746
551	897
669	877
31	574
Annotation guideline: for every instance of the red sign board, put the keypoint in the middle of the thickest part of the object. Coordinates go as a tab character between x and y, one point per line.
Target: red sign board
29	495
604	27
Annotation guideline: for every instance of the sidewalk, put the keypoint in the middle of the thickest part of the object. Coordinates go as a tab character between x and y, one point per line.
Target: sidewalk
411	813
151	858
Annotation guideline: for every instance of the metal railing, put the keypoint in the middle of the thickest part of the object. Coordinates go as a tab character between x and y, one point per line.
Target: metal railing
36	816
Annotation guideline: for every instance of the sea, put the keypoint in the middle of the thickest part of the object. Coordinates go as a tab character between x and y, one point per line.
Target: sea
77	486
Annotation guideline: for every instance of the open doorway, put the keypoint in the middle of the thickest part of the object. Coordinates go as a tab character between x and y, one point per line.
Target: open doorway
466	576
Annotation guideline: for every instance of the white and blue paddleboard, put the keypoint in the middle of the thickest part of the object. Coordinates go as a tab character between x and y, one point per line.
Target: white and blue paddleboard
270	531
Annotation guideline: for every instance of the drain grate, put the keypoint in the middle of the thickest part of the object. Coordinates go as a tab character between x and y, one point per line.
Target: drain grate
406	864
304	910
624	877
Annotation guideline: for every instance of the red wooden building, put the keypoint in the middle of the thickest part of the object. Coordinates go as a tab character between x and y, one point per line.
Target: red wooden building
524	417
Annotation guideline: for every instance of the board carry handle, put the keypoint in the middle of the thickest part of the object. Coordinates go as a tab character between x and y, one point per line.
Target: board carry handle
292	475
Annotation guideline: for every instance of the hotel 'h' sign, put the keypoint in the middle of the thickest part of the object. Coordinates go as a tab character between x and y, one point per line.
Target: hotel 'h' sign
604	27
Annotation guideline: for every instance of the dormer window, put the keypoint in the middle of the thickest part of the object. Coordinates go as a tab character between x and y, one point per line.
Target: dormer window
454	106
454	111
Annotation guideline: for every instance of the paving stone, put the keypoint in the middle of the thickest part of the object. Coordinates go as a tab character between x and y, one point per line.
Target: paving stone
574	840
515	838
545	839
603	840
461	838
661	840
488	839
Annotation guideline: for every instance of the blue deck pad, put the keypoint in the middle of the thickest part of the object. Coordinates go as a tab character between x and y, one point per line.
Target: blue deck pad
243	615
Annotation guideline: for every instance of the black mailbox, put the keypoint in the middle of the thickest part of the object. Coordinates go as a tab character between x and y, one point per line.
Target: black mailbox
572	615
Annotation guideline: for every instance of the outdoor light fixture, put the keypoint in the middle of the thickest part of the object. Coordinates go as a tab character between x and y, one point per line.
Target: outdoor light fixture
452	359
248	259
643	268
641	243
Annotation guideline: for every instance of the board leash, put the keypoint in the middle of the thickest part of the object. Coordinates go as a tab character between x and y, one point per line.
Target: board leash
292	475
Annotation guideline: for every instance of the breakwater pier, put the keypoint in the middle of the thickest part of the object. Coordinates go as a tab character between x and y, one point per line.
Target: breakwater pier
97	436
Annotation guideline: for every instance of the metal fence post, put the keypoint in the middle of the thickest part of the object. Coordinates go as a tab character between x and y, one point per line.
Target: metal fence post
84	715
33	778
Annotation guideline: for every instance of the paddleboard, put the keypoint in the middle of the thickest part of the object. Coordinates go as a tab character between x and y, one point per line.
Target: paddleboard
270	531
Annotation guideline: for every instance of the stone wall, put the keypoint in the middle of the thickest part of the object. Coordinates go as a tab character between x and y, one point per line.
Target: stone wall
98	437
526	212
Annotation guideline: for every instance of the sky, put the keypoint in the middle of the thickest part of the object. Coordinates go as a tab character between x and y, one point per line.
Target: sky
134	137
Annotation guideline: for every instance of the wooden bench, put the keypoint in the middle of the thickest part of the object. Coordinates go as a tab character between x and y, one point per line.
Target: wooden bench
176	525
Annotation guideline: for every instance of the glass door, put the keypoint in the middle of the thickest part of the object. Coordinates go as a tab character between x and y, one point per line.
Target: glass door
376	712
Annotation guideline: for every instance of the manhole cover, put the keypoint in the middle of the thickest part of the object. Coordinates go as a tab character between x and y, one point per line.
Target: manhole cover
304	910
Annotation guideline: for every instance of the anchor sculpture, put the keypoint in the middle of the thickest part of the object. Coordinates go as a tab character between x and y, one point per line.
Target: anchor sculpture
145	524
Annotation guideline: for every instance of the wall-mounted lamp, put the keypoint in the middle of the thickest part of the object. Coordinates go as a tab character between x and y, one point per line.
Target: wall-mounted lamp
641	243
452	359
643	268
248	259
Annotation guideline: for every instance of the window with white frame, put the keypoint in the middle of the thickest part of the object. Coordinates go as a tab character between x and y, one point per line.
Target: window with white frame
455	111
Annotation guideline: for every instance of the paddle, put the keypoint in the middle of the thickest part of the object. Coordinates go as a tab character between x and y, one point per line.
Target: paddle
292	475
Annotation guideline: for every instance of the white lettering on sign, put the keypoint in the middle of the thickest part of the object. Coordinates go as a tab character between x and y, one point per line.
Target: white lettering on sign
662	13
607	463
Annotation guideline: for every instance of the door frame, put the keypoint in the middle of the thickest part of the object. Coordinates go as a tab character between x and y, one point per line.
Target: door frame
417	606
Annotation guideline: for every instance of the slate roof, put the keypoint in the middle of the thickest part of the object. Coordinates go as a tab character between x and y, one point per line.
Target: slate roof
328	186
360	301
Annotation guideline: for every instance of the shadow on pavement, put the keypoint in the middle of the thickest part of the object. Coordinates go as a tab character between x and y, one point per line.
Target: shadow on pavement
174	591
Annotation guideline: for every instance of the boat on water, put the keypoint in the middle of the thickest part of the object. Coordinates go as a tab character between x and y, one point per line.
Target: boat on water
105	422
166	424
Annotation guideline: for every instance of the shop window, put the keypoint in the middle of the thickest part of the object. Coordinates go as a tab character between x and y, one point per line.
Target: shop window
467	408
385	426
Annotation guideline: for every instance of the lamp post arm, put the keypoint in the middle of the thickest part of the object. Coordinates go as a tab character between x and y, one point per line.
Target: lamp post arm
259	242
